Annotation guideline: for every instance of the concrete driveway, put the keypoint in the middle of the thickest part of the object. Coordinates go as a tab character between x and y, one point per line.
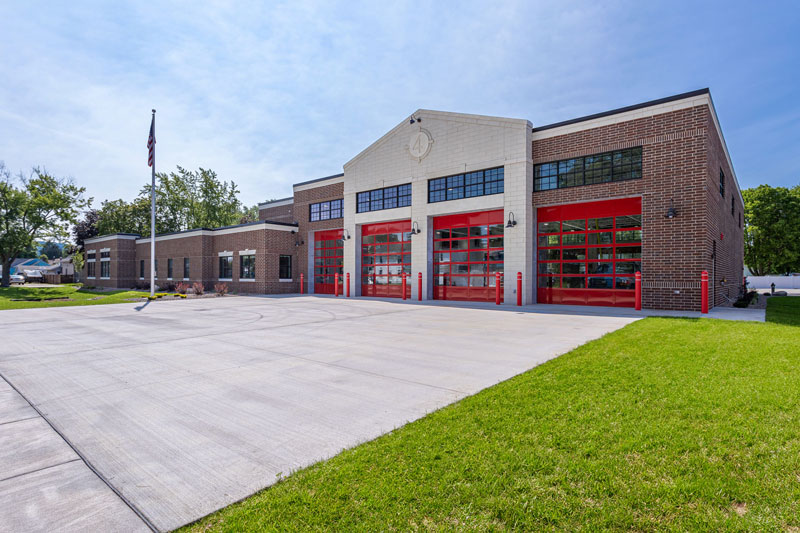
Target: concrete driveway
183	407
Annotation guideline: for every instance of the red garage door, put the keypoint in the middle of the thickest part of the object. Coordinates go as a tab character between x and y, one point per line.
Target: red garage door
328	260
467	253
385	256
588	253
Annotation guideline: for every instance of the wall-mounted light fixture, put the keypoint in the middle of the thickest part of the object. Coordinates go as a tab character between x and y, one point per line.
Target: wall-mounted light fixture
671	212
413	120
511	220
345	235
299	243
415	228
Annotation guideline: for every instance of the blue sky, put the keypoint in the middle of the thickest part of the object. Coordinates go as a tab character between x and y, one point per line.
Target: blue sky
269	94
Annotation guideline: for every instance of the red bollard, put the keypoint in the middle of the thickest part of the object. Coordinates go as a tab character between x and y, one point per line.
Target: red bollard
301	283
638	291
497	288
419	286
336	284
347	285
704	292
519	289
404	285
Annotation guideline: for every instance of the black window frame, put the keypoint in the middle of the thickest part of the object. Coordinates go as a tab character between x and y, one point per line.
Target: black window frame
187	266
721	183
105	269
141	268
384	198
603	167
169	268
733	206
484	182
247	266
227	267
91	269
329	210
282	266
155	269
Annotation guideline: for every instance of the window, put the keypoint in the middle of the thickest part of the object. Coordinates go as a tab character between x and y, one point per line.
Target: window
285	267
90	269
468	185
733	209
721	183
619	165
247	267
740	220
226	267
325	210
186	267
594	253
155	269
105	271
91	257
105	255
169	268
386	198
141	268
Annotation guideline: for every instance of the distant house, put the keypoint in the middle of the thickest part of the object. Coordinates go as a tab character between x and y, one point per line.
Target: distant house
25	264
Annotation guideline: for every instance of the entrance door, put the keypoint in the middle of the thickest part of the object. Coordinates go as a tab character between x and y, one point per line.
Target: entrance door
588	253
467	253
328	261
385	256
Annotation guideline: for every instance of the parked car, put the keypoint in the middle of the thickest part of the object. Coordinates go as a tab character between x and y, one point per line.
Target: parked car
17	278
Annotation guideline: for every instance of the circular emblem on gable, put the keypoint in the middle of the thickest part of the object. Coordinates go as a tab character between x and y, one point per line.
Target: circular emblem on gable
420	144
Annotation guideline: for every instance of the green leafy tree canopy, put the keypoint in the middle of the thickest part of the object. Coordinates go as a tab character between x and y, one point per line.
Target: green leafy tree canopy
772	229
34	207
186	199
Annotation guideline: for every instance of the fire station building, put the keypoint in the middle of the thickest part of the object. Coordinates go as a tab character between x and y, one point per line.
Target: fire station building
577	208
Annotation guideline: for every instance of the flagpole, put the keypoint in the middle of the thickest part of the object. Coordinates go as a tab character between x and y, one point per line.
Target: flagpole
153	218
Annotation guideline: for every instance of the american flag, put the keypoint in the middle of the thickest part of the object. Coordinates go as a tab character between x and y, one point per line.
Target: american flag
151	143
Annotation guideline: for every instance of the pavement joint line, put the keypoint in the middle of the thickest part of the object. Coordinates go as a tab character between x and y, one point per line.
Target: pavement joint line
83	458
18	420
39	469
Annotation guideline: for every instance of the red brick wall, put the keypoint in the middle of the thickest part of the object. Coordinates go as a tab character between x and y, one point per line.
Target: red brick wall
122	254
725	274
302	201
674	167
203	251
281	213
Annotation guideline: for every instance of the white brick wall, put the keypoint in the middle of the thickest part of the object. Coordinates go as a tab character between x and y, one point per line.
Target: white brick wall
461	143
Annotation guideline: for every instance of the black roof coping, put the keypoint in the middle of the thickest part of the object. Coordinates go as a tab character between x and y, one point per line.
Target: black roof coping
319	179
624	109
276	200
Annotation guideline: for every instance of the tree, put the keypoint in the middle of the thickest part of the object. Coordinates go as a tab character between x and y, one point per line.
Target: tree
772	229
184	200
40	207
86	228
51	250
248	214
77	263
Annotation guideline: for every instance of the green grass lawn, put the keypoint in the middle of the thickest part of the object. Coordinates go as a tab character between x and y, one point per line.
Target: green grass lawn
21	297
668	424
784	310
